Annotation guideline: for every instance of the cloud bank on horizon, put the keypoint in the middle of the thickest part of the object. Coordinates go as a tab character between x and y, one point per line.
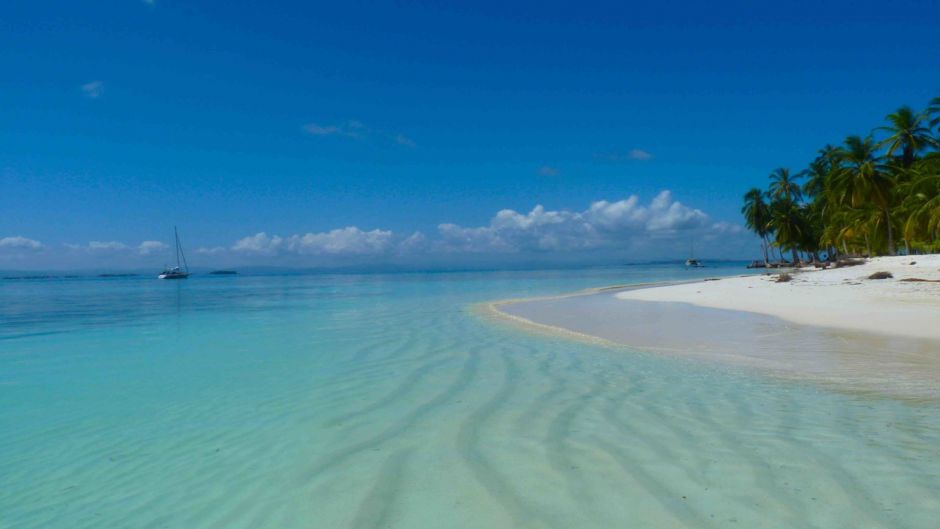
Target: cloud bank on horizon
622	229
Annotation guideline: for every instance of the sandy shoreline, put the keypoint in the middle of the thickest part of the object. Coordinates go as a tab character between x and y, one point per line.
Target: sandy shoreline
838	298
827	326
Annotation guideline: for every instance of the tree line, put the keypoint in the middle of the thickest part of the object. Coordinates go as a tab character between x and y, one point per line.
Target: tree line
868	196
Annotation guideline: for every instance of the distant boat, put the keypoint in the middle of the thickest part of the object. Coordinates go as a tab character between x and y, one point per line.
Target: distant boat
181	270
692	262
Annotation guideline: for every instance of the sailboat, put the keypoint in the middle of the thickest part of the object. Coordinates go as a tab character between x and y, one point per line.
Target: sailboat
692	261
181	270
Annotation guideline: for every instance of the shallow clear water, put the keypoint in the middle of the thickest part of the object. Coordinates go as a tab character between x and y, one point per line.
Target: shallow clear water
387	401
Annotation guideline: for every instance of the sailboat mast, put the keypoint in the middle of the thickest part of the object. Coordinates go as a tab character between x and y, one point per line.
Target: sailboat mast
179	252
176	236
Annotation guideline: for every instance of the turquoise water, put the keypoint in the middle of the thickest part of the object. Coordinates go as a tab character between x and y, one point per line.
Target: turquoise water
387	401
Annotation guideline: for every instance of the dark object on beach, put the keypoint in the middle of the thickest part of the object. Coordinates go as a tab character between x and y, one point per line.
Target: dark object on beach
918	280
223	273
912	263
712	279
783	278
881	275
849	261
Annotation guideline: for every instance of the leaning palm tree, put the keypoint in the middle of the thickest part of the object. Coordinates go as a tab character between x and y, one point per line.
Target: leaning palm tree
909	133
757	217
862	180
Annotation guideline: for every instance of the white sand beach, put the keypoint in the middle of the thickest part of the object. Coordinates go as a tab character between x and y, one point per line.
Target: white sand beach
842	298
833	326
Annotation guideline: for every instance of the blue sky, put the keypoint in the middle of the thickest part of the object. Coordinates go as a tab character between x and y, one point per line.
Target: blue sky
340	130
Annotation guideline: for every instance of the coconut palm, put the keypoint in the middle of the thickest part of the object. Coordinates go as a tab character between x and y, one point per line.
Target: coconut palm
858	196
757	217
862	180
783	186
816	175
909	133
789	226
933	111
921	204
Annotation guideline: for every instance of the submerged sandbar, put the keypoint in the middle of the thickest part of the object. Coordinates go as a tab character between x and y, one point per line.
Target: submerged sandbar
885	363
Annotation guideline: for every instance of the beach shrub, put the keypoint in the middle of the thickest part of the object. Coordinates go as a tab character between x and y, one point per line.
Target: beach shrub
783	278
881	275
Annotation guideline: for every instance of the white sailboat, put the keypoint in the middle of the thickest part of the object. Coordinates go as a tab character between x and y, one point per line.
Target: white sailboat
692	261
181	270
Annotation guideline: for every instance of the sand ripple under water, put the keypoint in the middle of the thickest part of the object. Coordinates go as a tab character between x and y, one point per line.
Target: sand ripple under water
391	404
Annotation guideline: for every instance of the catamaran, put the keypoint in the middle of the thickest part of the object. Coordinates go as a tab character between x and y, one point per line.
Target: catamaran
181	270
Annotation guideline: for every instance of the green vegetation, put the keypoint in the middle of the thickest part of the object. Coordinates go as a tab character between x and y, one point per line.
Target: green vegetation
864	197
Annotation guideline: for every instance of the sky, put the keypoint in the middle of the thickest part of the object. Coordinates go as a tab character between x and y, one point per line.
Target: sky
308	134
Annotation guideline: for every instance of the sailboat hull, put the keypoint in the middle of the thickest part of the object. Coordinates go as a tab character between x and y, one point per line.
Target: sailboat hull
178	275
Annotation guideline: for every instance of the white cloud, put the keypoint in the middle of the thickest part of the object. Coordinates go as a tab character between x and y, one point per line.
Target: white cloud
401	139
320	130
144	248
215	250
19	243
106	246
357	130
548	170
345	241
259	243
619	156
93	89
603	225
349	241
149	247
350	129
417	242
639	154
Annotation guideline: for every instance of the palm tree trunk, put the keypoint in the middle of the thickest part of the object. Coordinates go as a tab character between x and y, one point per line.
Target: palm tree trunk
764	247
890	232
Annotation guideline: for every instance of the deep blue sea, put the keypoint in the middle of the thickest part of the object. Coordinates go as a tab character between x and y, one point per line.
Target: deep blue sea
376	401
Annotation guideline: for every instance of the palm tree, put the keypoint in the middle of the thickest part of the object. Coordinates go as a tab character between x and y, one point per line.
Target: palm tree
783	186
907	133
862	180
858	196
757	217
933	111
921	204
818	172
788	224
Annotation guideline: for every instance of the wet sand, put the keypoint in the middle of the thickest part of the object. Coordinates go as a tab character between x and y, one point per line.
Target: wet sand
850	360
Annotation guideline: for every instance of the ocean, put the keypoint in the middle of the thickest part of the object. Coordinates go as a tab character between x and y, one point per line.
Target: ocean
374	401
